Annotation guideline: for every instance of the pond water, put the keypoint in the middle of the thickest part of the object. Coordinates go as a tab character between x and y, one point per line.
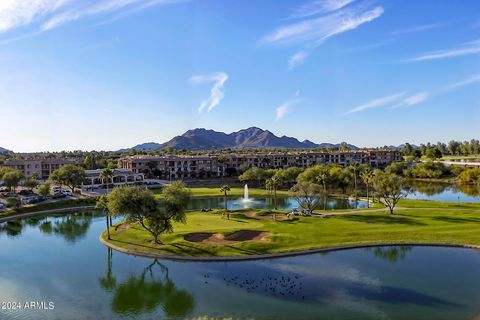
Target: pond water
444	192
283	203
59	259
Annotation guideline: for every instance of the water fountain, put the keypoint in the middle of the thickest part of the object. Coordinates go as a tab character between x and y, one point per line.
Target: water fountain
245	194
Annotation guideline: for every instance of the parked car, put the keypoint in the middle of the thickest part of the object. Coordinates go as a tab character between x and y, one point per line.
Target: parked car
8	194
306	213
3	189
294	212
30	199
24	192
2	207
58	195
66	193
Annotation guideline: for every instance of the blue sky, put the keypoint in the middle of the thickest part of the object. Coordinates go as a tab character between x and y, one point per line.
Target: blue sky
109	74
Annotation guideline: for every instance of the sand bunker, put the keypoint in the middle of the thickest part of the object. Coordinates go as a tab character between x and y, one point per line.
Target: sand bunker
252	214
235	237
121	227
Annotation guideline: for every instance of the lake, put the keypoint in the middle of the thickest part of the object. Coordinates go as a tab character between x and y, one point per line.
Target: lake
436	191
283	203
59	259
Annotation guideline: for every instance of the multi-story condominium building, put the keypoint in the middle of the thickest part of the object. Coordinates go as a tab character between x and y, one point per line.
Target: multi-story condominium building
220	165
42	167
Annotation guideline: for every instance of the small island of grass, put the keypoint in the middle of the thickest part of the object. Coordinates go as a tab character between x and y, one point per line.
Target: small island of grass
254	232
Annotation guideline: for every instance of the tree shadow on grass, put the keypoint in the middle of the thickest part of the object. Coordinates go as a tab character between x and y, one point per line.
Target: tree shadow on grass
456	219
396	219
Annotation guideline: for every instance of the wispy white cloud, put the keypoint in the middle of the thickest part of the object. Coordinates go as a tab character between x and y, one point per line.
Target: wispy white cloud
319	7
216	93
48	14
470	48
285	107
379	102
102	7
413	99
298	58
17	13
313	32
403	100
470	80
417	28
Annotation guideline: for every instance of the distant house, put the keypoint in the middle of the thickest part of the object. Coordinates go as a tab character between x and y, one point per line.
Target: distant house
120	177
42	167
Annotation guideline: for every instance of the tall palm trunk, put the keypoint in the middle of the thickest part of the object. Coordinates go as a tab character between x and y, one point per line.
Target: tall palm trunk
226	206
355	186
368	197
108	226
274	202
324	197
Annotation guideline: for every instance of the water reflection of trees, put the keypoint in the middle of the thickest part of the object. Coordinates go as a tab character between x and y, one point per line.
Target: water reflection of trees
433	188
469	189
146	292
12	228
72	227
428	188
392	254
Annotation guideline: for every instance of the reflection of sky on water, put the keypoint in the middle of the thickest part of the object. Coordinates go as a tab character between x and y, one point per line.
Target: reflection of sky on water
444	192
378	283
283	203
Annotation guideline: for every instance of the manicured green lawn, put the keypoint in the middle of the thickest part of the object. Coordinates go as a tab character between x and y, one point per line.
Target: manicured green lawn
234	191
472	156
445	223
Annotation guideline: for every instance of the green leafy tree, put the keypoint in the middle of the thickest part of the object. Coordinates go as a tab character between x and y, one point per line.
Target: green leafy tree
225	189
30	183
44	189
433	153
139	206
12	178
71	176
14	202
253	174
391	189
307	195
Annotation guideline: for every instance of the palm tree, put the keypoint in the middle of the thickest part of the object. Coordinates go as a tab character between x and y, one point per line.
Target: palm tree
102	203
355	167
322	179
273	184
106	175
367	176
225	188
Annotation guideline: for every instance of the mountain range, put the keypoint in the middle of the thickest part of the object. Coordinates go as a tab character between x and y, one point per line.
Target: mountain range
3	150
253	137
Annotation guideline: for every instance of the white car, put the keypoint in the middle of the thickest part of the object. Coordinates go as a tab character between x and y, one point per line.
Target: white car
67	193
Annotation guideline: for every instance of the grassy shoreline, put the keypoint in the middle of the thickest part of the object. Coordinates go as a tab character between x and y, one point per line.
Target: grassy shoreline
416	222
